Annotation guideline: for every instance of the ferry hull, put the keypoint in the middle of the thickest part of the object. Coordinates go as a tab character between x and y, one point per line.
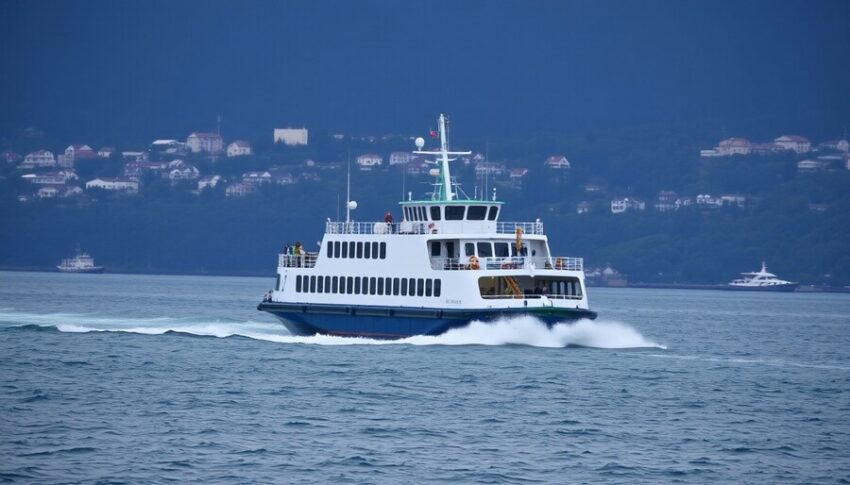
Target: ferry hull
96	269
398	322
771	288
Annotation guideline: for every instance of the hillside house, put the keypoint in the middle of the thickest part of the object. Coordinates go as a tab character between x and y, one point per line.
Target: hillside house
583	207
795	143
239	148
619	206
239	190
38	159
105	152
49	192
733	201
733	146
118	184
199	142
706	201
369	161
401	158
184	172
60	177
557	162
255	179
208	182
79	152
291	136
134	156
490	169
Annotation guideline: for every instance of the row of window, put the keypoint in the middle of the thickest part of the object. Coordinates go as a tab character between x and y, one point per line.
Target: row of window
452	213
357	250
368	285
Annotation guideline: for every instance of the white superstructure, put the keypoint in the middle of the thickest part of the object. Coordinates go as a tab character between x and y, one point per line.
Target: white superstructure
762	280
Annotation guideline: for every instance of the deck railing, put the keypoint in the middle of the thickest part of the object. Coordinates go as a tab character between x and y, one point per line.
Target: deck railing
409	227
508	263
307	260
531	296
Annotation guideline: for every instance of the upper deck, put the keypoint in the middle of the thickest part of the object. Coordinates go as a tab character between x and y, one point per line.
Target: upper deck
433	227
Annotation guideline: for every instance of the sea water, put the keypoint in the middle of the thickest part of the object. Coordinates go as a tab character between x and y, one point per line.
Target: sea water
123	378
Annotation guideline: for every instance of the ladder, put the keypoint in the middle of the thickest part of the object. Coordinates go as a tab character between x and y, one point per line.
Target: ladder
512	284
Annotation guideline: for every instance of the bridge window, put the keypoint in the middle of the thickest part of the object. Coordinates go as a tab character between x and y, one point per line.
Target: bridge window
375	250
373	286
330	249
420	287
395	286
501	249
312	284
359	250
356	285
335	285
380	286
367	250
336	249
469	249
476	212
327	284
494	211
349	285
435	213
485	250
455	212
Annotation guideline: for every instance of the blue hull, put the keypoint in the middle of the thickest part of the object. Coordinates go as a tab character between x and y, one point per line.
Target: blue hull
397	322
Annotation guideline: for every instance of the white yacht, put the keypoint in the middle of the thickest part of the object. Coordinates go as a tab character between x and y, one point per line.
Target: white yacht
449	261
761	281
80	263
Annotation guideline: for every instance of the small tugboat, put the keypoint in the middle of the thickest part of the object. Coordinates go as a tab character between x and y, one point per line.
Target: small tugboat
81	263
761	281
448	262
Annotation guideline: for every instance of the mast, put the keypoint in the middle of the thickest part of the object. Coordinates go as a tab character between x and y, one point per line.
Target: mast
446	192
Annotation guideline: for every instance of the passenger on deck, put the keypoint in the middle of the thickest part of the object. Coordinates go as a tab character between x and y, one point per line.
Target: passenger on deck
388	218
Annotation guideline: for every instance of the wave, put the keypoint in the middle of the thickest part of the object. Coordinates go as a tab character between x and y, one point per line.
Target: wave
523	330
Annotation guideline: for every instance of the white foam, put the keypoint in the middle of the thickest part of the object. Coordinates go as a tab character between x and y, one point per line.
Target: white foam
523	330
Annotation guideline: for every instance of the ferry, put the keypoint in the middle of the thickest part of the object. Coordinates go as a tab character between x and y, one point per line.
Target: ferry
449	261
80	263
761	281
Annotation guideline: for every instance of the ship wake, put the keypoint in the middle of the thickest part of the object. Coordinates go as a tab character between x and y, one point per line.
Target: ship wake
524	330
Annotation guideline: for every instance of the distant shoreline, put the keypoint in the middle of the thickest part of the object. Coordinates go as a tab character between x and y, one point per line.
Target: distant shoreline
650	286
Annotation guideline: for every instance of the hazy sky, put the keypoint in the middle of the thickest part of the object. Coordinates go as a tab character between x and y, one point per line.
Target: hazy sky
142	69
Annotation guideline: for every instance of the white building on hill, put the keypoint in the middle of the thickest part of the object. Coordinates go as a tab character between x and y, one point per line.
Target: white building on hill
796	143
291	136
117	184
557	161
239	148
39	158
368	161
204	142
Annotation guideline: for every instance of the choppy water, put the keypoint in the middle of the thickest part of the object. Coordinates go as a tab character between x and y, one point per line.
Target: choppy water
121	378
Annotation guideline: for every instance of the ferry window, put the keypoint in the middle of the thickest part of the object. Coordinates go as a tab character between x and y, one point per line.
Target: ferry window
320	284
420	287
450	249
327	284
501	249
485	250
435	213
469	249
372	286
428	287
335	285
494	211
404	287
312	284
435	248
513	249
298	284
375	250
336	249
383	250
277	283
356	285
345	249
330	249
367	250
359	250
413	214
437	284
476	212
388	286
455	212
424	213
349	285
380	286
365	285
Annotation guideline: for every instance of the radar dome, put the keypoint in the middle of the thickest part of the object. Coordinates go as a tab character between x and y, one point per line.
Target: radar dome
420	142
352	204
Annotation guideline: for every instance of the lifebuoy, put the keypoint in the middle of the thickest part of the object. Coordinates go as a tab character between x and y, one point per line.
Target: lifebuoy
432	228
473	263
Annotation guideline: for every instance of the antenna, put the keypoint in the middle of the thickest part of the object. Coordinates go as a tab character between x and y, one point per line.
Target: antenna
443	159
218	124
348	191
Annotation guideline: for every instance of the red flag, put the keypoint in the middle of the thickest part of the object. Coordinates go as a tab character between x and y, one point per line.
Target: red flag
433	134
